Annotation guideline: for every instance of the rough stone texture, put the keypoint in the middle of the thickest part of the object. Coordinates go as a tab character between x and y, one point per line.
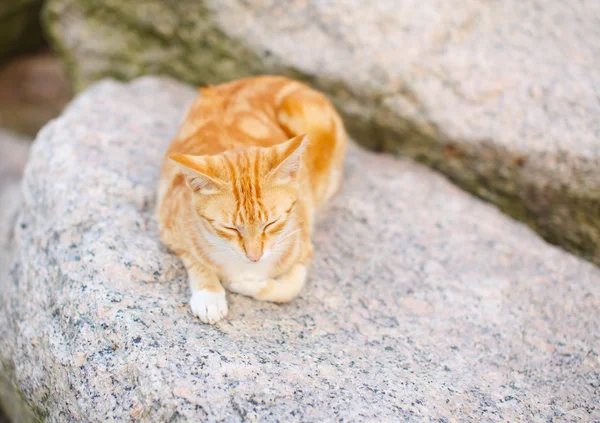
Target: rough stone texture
20	27
33	90
423	303
500	96
13	155
14	150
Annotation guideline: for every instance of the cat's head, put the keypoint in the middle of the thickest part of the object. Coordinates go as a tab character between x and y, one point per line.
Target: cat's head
246	198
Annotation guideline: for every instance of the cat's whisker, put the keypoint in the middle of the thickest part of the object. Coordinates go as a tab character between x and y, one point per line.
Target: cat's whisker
289	234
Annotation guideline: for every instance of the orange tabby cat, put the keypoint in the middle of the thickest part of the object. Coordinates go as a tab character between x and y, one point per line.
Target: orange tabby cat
240	184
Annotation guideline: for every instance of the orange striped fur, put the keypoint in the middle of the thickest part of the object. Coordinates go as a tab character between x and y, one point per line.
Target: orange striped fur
240	183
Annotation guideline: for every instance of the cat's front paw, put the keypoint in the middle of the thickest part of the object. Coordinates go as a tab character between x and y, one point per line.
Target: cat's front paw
248	288
209	307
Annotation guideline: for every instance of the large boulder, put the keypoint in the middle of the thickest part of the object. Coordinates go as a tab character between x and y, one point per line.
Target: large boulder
423	303
14	150
500	96
20	27
13	155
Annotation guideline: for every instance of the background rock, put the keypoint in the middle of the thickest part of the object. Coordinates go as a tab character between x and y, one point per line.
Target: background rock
500	96
20	27
33	90
423	303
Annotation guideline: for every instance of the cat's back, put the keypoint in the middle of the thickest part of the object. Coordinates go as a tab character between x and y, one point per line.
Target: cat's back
262	111
233	115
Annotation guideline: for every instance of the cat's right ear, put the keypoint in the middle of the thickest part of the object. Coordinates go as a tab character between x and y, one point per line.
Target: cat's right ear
198	176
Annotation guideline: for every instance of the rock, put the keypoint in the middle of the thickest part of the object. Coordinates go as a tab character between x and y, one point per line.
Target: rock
423	303
33	90
500	96
20	27
13	155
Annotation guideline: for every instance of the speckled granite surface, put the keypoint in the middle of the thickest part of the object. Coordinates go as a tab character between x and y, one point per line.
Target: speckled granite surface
14	149
502	96
13	156
423	303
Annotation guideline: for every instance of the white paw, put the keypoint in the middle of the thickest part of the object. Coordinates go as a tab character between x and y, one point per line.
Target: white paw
209	307
248	288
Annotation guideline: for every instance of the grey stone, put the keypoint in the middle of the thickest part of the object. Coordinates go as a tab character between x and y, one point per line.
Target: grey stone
13	155
14	149
500	96
423	303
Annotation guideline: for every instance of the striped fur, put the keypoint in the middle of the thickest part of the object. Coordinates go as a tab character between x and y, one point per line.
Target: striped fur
240	183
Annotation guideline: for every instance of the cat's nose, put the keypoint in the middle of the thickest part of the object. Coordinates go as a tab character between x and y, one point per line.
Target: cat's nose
254	257
253	249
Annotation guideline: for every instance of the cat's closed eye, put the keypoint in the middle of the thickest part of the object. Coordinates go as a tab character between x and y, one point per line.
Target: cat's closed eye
230	229
271	223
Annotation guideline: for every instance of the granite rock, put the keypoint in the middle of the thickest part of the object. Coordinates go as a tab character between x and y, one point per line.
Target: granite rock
500	96
13	155
423	303
14	150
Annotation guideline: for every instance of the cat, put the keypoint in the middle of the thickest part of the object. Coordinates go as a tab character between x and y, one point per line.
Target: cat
240	183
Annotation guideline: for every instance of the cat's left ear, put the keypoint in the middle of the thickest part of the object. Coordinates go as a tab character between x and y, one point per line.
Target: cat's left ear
199	175
289	158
